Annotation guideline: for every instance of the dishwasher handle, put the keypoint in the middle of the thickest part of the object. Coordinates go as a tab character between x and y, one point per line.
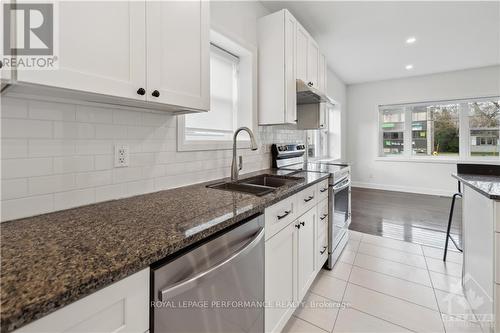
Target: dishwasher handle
189	283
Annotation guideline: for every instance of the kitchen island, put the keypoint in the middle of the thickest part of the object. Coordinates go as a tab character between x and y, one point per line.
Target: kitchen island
481	239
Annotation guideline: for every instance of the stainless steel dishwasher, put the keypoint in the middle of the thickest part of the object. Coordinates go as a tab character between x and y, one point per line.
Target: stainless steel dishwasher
217	286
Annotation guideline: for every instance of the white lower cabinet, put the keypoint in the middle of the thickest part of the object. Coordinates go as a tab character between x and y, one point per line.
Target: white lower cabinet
291	259
121	307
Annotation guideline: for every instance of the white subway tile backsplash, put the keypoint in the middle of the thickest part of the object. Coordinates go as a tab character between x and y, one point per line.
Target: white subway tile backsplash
73	164
26	167
51	184
61	155
73	130
65	200
89	114
51	111
17	208
43	147
23	128
14	148
14	188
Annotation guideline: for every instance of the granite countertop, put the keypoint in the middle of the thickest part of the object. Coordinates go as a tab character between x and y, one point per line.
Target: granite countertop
487	185
51	260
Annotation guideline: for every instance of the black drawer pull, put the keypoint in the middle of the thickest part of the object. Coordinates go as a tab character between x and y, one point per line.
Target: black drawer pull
303	223
323	251
284	214
309	198
323	189
323	217
297	226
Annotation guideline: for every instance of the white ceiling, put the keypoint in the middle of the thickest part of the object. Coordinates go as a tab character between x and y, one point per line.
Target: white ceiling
365	41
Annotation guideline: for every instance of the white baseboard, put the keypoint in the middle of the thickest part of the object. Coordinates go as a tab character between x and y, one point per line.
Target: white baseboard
419	190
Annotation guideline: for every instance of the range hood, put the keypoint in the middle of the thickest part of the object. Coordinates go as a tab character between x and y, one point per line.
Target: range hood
306	94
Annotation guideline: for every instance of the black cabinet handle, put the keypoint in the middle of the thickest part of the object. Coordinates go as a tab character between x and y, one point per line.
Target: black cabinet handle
323	251
309	198
310	84
323	217
141	91
303	223
1	64
323	189
297	226
284	214
155	93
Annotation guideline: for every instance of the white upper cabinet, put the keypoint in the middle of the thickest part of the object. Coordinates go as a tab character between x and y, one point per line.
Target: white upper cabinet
312	63
286	53
101	49
178	60
322	73
132	53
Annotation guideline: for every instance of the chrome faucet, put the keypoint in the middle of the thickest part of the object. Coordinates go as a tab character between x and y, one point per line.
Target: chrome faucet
235	169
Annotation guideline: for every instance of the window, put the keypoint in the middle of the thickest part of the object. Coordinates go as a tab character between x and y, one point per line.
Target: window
233	72
392	126
220	122
446	129
484	126
435	129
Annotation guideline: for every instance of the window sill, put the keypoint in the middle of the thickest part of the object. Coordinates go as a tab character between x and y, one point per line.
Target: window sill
437	160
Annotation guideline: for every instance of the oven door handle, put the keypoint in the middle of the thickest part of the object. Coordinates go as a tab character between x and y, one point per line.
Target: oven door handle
191	282
342	186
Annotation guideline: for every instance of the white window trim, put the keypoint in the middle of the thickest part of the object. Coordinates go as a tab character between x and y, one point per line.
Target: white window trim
248	81
464	139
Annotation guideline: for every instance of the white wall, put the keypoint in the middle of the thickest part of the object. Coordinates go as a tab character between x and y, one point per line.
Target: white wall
60	155
362	131
337	91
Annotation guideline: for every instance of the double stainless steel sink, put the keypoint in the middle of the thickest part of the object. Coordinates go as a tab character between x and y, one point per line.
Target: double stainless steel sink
259	185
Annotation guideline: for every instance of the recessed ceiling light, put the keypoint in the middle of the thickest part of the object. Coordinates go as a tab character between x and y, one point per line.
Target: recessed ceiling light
409	67
411	40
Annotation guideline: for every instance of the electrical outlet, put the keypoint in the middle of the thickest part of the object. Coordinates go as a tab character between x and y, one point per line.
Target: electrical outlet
121	156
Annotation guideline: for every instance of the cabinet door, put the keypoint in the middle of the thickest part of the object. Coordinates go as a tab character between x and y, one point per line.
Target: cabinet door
101	49
301	46
279	277
312	63
306	252
178	42
290	77
322	72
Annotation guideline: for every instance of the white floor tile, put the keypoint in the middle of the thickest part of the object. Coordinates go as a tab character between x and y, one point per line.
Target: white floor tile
393	255
394	310
354	321
319	311
447	283
352	245
340	270
329	287
454	304
347	256
296	325
461	326
393	244
356	235
392	268
433	252
392	286
448	268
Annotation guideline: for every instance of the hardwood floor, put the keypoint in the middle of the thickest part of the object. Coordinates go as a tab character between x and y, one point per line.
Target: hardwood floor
416	218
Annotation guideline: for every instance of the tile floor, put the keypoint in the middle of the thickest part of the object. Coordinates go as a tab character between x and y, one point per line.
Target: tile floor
386	285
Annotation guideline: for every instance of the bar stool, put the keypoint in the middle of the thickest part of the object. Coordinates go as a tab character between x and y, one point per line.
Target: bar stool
450	219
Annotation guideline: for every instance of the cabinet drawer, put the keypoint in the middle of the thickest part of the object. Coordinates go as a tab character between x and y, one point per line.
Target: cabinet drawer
322	250
306	199
322	190
497	257
280	215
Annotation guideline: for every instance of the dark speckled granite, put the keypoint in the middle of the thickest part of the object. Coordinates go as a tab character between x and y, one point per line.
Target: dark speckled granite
487	185
51	260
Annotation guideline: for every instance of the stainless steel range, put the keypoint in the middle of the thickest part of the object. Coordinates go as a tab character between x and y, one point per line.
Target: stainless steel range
292	157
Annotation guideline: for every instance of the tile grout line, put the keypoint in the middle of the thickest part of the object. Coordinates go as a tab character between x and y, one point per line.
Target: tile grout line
307	321
385	320
435	296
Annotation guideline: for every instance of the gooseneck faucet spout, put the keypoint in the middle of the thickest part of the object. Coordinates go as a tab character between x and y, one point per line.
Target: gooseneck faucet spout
236	168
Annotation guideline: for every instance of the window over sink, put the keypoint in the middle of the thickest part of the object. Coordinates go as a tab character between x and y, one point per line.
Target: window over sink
232	99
